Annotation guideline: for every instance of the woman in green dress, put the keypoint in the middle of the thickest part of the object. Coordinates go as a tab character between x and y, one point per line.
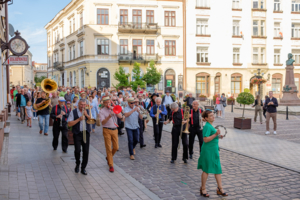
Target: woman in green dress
209	160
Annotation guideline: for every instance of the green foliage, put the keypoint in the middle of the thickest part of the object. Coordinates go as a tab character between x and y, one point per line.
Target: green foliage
121	77
245	98
152	76
247	90
38	84
39	79
137	79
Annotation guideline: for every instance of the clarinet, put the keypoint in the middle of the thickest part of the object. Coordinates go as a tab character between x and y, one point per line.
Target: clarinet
61	117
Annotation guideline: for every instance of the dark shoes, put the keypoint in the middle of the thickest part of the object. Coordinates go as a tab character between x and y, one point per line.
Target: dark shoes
83	172
65	151
156	145
159	145
54	149
191	156
143	146
77	169
172	161
184	160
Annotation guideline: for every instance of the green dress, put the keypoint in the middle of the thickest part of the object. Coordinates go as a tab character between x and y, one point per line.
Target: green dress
209	160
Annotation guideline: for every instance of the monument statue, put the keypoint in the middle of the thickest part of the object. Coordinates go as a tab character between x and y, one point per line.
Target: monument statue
290	91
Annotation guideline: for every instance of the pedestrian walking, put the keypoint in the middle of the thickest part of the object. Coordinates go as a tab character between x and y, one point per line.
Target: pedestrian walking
272	105
167	100
43	114
28	113
219	106
59	114
224	104
94	110
142	123
81	134
22	100
209	160
189	100
131	125
258	105
265	106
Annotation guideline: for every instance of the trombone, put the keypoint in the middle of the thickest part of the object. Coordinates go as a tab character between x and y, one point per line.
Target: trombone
186	116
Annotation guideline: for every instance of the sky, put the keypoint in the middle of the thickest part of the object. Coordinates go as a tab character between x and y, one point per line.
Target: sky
30	17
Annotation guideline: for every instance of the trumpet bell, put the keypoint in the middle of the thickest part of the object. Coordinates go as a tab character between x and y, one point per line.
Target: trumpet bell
117	109
91	121
186	131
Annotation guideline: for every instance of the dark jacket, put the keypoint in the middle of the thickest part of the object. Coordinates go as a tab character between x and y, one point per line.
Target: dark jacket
19	99
271	108
152	103
187	101
255	103
55	112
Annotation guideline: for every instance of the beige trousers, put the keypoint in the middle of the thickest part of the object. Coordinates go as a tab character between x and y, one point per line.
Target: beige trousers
258	109
273	116
110	138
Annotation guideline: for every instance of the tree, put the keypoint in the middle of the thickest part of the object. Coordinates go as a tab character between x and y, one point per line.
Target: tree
245	98
152	76
39	79
122	77
136	77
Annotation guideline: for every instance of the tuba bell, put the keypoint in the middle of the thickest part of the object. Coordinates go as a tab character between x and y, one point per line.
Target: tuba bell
49	86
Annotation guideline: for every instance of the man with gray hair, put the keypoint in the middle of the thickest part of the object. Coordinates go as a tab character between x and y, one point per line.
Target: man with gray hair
158	111
177	117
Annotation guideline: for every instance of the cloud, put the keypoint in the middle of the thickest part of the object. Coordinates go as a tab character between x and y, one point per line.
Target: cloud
18	13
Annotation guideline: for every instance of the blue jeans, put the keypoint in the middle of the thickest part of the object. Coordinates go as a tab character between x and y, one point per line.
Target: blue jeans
94	126
41	120
133	138
34	113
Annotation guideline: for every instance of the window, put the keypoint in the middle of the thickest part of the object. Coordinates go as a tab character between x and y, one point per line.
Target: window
81	48
70	51
297	81
202	3
296	55
262	4
170	18
137	18
150	47
170	48
276	56
102	16
262	55
295	5
262	28
236	84
276	29
236	28
70	27
217	84
202	54
276	5
81	19
102	46
137	49
255	27
74	51
73	24
74	77
150	16
276	85
236	4
62	32
202	84
236	55
124	47
295	30
202	27
62	57
123	16
255	55
255	3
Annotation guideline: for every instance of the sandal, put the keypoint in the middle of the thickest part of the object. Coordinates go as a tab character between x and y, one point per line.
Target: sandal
202	194
220	193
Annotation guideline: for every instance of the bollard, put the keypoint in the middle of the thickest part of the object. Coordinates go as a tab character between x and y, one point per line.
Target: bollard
287	113
232	106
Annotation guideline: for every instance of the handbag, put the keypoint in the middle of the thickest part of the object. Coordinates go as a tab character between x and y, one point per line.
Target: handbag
224	105
98	123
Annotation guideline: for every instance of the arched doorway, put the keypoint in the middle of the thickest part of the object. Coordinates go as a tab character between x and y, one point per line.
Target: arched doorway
170	81
103	78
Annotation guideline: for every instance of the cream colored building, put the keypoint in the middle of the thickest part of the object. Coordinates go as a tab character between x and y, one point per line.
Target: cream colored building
89	40
228	41
40	69
22	74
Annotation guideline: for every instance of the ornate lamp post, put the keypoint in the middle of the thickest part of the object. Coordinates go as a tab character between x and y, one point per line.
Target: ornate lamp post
259	76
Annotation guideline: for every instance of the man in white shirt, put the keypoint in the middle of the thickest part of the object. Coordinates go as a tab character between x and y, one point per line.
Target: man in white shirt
167	100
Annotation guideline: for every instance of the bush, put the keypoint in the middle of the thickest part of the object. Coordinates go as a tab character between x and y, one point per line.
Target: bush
245	98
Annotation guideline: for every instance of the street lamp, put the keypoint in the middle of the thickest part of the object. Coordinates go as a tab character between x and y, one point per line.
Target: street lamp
259	76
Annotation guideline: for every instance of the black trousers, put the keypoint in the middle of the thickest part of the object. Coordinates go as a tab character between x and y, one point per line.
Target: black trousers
64	135
153	122
121	125
169	113
157	131
78	143
175	142
264	113
195	131
141	132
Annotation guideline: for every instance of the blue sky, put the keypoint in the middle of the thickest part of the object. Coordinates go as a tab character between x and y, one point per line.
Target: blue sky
30	17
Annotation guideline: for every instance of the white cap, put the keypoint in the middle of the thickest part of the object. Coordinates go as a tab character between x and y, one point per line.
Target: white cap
61	99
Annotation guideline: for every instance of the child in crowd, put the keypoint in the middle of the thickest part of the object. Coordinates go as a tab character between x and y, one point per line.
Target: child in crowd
28	113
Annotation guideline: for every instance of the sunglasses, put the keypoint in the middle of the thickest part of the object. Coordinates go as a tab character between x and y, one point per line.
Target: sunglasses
132	103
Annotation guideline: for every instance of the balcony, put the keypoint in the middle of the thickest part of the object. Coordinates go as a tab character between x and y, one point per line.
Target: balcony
133	27
142	58
58	66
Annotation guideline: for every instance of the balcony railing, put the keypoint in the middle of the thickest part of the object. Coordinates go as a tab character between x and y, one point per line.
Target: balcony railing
58	66
134	27
140	58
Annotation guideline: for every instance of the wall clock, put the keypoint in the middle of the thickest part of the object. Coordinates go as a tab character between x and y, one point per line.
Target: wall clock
17	45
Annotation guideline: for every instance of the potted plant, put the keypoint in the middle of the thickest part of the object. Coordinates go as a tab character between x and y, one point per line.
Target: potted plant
258	81
202	97
230	100
214	98
243	98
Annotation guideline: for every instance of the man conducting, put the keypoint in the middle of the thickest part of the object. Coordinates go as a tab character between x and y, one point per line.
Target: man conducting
60	112
81	134
110	131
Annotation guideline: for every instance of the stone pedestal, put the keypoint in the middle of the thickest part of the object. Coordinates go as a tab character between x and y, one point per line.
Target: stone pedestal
290	91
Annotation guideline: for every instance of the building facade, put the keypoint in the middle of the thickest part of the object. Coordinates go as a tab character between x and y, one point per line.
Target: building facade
22	74
40	69
89	40
228	42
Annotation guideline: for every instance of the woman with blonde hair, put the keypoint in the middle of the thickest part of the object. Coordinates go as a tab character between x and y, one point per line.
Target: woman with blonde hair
258	104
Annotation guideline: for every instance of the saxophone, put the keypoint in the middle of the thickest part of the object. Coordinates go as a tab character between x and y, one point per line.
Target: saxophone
157	118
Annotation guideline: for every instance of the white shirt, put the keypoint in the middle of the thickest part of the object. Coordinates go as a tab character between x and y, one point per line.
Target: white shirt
71	118
168	100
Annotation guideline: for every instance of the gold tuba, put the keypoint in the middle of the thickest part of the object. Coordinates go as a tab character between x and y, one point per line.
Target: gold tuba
49	86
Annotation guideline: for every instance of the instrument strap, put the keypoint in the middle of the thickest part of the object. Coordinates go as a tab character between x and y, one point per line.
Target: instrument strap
192	115
173	117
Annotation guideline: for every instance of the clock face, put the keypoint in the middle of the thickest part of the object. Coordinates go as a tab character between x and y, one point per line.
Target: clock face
18	46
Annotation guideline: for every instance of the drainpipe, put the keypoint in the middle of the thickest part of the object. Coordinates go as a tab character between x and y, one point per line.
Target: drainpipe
7	53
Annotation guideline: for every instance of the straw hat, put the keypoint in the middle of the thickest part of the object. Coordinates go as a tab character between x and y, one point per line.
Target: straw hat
105	99
131	99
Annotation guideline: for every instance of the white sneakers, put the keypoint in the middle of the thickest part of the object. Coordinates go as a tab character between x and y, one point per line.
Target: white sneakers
268	132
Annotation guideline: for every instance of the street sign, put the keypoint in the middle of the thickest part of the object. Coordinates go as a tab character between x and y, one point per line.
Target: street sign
17	60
